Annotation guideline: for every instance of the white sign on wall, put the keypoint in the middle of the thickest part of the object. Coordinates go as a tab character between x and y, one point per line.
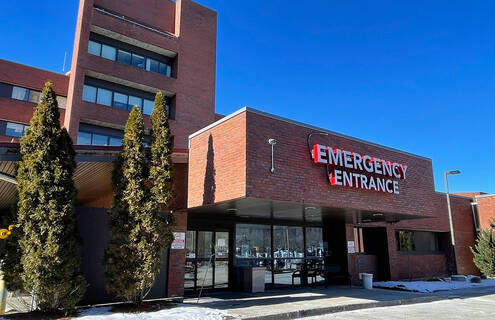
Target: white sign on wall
179	241
350	247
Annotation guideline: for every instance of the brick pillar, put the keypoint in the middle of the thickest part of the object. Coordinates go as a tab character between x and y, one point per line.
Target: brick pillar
393	258
176	260
351	257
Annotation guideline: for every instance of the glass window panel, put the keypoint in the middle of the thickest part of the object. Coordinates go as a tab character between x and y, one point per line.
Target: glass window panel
83	138
138	61
288	242
115	141
252	241
104	97
148	106
94	48
314	242
19	93
135	101
108	52
167	109
191	244
62	102
221	274
164	69
152	65
99	140
222	245
205	273
124	57
89	93
34	96
205	244
14	129
120	100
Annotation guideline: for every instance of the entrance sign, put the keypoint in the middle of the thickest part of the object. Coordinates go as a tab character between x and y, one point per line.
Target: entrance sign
346	169
179	241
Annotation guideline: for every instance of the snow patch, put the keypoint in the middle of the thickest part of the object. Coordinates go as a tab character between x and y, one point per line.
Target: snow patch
183	312
432	286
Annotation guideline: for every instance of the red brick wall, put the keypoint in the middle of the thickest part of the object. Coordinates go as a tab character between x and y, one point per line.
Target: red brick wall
486	210
227	172
298	179
32	78
159	14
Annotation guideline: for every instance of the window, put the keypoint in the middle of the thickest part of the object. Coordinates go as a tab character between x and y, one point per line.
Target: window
94	48
15	129
96	139
124	57
33	96
148	106
19	93
108	52
153	65
418	241
104	97
138	61
252	241
89	93
135	101
120	100
128	56
84	138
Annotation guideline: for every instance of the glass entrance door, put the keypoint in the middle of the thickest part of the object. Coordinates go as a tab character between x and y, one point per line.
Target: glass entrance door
207	260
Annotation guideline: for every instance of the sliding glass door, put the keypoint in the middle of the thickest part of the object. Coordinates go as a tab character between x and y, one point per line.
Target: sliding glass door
207	260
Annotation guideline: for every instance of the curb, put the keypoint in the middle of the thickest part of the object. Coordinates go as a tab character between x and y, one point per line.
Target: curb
347	307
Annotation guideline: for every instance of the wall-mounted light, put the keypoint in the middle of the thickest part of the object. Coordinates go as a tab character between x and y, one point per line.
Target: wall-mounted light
272	142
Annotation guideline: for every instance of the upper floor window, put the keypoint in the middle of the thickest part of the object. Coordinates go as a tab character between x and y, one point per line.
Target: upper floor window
101	136
120	97
29	95
13	129
127	54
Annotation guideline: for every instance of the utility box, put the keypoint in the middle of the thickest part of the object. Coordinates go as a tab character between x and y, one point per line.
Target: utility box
254	279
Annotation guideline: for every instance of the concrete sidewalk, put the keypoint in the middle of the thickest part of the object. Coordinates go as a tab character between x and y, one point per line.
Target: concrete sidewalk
295	303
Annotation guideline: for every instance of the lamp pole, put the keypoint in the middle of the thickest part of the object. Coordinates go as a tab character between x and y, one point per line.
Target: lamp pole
452	238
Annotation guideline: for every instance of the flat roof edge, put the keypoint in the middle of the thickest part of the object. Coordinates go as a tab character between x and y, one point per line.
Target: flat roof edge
484	195
302	124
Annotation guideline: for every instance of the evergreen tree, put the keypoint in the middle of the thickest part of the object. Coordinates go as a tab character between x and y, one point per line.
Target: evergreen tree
123	257
49	239
484	255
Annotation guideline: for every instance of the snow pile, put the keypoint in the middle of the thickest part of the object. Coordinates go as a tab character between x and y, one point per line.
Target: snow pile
182	312
432	286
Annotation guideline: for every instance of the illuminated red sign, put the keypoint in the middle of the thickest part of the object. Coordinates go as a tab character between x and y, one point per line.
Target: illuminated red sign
342	166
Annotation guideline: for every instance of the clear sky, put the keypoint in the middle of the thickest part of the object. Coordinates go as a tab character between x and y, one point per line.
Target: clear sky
417	75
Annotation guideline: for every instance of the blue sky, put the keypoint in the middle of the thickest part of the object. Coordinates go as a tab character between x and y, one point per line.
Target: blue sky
417	76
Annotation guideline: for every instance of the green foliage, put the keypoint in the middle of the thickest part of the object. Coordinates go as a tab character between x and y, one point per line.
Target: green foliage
484	255
140	230
11	255
49	238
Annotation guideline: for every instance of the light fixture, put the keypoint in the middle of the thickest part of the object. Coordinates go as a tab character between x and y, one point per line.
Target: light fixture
453	172
272	142
377	214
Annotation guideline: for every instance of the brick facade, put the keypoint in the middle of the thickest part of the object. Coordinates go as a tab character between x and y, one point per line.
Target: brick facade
486	210
241	165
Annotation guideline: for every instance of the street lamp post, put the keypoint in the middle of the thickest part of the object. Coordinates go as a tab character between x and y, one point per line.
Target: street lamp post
452	238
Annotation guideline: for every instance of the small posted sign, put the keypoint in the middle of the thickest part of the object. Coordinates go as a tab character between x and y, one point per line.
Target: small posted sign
350	247
179	242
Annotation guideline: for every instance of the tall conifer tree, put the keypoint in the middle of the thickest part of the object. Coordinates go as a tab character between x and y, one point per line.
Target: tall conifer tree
49	240
123	259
